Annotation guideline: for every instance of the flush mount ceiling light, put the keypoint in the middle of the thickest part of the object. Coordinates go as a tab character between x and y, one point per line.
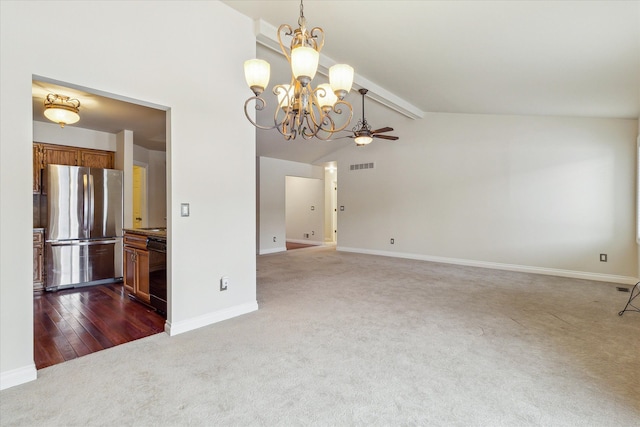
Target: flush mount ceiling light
302	110
61	109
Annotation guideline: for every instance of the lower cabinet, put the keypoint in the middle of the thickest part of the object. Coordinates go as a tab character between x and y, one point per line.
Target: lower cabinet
38	260
136	266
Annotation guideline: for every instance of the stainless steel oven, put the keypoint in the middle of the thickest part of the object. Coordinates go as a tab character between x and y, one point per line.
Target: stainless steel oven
157	248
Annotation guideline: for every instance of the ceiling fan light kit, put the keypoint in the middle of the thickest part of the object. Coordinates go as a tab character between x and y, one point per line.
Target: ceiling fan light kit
363	140
61	109
302	110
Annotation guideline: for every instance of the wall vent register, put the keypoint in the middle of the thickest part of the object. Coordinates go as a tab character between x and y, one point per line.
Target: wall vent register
361	166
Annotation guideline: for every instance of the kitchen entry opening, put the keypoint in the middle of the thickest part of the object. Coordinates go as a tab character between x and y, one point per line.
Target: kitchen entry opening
114	132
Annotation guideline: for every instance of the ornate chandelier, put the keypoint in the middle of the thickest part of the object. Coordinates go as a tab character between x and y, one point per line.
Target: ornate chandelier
302	110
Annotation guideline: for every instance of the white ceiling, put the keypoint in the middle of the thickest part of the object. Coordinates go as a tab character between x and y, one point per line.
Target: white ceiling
106	113
562	58
550	58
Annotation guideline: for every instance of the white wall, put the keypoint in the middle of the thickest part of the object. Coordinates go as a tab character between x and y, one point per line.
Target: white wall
304	210
73	136
156	184
539	194
127	48
271	183
124	162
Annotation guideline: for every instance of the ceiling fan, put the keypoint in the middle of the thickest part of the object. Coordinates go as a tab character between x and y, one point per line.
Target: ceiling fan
363	134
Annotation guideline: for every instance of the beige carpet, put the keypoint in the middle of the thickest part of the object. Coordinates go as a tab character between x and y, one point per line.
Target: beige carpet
349	339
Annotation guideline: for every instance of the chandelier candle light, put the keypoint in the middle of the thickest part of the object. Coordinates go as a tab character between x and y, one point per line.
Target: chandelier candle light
61	109
302	110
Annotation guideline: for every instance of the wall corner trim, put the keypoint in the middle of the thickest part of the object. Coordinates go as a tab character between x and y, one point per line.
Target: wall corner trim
177	328
612	278
18	376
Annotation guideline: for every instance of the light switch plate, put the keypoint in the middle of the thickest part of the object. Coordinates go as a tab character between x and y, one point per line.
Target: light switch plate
184	209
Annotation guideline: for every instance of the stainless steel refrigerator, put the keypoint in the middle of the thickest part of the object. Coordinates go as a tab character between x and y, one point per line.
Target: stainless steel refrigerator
84	227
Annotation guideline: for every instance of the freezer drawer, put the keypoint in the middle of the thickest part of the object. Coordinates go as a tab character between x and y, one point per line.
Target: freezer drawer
83	263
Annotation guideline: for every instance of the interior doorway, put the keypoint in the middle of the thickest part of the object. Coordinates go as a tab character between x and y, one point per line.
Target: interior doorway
304	213
334	212
140	206
331	203
77	321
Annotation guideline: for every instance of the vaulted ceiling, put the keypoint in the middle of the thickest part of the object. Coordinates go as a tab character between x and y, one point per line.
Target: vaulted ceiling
549	58
562	58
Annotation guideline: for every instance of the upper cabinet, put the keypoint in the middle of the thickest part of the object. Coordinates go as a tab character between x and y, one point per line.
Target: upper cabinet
59	155
96	159
49	154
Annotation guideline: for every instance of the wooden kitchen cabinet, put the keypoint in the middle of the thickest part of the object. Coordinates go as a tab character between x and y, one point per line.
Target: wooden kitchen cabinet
51	154
38	260
37	168
136	266
96	159
59	155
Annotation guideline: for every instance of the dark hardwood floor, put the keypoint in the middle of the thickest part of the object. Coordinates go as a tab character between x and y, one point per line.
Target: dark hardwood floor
75	322
291	245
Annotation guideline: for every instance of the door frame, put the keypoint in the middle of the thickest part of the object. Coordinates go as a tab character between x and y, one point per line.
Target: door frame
145	193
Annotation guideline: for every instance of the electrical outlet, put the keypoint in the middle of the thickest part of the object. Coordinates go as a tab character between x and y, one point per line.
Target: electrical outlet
224	283
603	257
274	238
393	241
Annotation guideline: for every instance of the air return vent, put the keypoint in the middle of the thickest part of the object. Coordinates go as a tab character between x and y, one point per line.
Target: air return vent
361	166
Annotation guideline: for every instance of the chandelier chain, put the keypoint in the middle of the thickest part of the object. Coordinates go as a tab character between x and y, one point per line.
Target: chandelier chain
301	20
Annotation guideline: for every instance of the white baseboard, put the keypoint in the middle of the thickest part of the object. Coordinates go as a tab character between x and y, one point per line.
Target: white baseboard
500	266
306	242
209	318
18	376
272	250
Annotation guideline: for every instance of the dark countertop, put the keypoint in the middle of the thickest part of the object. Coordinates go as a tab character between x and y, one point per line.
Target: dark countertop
154	232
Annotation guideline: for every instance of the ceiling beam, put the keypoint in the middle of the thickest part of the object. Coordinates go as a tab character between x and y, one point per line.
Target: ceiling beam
266	35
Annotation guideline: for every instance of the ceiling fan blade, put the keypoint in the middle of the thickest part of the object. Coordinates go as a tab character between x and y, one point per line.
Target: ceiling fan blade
381	130
389	137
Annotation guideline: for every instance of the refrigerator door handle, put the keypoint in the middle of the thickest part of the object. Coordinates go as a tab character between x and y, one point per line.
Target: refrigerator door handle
92	196
85	204
82	242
